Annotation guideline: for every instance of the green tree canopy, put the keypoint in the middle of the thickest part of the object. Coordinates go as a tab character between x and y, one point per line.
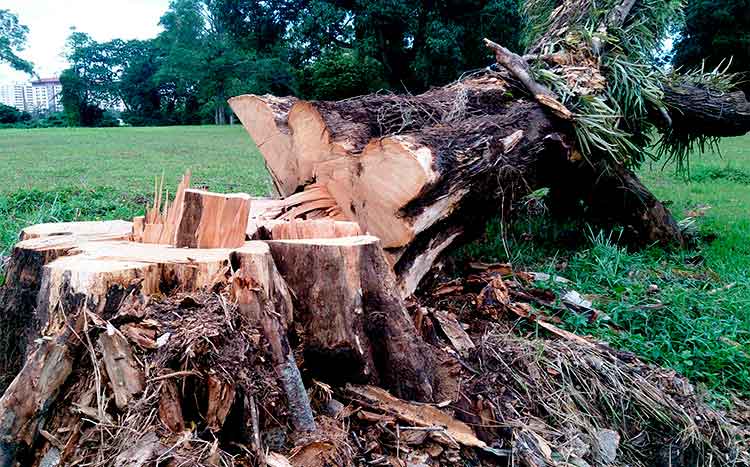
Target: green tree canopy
210	50
715	31
12	40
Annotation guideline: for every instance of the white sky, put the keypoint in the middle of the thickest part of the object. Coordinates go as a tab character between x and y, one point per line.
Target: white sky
49	23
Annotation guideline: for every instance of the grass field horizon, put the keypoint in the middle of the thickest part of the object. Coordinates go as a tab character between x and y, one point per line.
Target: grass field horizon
696	319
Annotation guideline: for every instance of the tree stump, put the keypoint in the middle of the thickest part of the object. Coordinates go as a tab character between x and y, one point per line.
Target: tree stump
85	296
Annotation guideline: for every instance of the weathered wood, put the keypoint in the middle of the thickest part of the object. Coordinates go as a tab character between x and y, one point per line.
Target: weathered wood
170	407
355	324
455	333
419	415
694	109
27	401
213	220
220	398
125	375
264	301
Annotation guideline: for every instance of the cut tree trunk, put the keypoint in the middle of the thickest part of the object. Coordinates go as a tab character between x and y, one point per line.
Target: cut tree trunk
464	153
355	325
423	173
78	295
265	302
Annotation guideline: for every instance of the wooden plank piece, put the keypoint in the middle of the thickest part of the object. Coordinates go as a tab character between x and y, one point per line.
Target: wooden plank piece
213	220
422	415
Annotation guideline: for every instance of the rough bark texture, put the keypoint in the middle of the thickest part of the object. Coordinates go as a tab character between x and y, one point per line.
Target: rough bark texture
698	110
264	301
355	325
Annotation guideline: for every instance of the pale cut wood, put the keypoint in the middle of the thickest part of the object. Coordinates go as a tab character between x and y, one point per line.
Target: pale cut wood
104	230
38	267
159	224
313	142
316	228
174	213
367	191
265	119
139	224
213	220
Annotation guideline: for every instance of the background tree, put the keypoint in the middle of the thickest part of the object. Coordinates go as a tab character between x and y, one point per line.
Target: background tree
417	43
10	115
715	31
12	40
91	84
212	49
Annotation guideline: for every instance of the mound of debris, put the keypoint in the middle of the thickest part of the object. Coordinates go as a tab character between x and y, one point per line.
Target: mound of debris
241	372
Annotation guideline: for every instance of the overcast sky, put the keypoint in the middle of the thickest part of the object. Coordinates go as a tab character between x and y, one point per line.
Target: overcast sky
49	23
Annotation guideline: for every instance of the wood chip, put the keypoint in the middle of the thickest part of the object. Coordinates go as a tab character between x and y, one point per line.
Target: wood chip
455	333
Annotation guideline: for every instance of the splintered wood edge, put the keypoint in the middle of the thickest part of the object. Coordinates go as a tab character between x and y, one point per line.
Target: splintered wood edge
337	241
106	229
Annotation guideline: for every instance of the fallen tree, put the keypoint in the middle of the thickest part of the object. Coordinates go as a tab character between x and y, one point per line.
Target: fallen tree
574	114
221	329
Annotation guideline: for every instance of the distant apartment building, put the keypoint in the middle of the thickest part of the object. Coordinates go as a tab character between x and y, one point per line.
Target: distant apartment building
39	96
48	94
18	95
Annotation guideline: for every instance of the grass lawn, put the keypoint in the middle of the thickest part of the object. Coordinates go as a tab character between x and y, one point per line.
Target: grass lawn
127	159
65	174
689	310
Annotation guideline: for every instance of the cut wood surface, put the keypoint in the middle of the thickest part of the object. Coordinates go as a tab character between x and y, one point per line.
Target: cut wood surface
109	230
213	220
315	228
160	222
265	119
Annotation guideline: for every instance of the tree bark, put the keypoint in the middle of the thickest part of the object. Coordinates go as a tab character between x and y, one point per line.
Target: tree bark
695	109
265	302
355	325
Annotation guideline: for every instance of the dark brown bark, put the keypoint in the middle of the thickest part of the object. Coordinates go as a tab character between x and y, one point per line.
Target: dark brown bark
613	196
698	110
355	324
